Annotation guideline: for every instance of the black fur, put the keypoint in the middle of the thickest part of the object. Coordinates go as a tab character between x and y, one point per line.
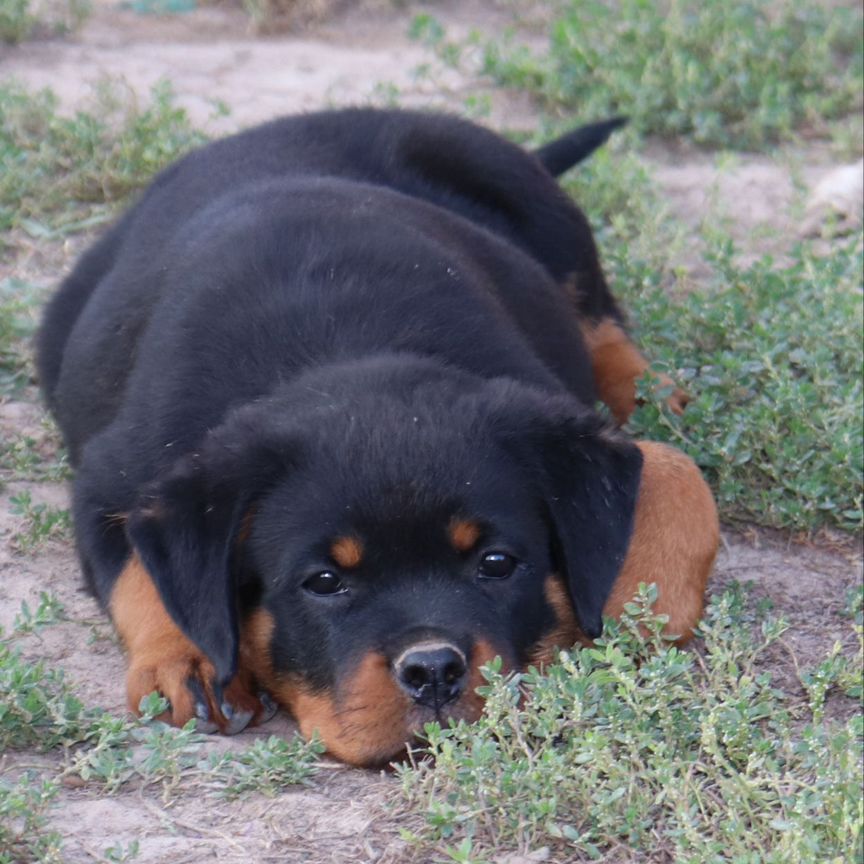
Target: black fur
563	153
347	323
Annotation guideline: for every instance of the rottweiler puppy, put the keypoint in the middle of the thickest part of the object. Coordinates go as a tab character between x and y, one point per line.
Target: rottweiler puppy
329	392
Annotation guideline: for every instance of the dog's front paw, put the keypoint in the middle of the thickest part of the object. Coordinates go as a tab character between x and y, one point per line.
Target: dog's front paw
188	681
163	659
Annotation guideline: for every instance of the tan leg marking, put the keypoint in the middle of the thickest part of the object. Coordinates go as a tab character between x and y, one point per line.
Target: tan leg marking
675	539
617	365
161	657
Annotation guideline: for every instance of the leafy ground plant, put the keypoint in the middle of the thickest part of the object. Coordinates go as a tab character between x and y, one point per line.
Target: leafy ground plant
39	522
37	707
39	710
635	750
20	303
58	172
267	766
23	833
23	457
20	18
773	354
742	74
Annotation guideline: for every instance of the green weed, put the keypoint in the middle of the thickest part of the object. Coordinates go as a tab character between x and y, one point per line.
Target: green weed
267	766
115	751
118	853
58	173
49	611
37	707
24	458
741	75
20	18
15	20
21	455
39	710
23	835
635	750
772	354
40	523
20	303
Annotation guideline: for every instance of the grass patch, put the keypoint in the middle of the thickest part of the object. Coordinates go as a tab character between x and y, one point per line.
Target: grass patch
21	18
39	710
771	352
22	456
116	752
59	174
634	750
26	458
23	833
742	75
773	355
268	766
39	523
20	304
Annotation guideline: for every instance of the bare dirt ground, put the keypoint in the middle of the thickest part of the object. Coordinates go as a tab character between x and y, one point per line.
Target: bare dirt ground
362	55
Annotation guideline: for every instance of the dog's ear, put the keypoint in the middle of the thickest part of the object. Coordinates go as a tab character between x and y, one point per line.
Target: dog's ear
592	482
588	475
186	525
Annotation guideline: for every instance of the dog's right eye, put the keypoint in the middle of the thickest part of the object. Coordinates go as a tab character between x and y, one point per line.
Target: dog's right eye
496	565
324	584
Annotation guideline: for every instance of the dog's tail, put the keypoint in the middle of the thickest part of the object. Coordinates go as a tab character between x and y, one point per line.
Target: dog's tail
565	152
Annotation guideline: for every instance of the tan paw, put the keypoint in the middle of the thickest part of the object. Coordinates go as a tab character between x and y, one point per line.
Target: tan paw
163	659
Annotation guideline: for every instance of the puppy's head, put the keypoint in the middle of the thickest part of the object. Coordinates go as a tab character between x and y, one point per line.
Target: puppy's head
383	531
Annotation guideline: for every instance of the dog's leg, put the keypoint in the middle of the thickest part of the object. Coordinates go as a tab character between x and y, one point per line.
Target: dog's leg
162	658
618	364
675	538
674	542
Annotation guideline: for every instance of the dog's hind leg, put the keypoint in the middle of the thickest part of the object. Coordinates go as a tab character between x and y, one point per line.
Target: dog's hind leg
617	365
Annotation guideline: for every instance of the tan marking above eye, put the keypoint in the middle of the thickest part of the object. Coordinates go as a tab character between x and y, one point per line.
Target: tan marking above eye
464	534
347	552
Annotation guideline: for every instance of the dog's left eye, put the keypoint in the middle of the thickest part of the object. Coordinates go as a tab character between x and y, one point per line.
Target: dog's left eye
324	584
496	565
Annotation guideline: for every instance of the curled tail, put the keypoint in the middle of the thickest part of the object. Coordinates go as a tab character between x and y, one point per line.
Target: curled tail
564	152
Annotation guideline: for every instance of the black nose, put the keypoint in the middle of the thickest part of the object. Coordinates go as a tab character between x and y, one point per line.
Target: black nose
431	676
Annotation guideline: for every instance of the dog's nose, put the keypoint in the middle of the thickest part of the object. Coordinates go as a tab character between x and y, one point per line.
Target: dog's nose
431	675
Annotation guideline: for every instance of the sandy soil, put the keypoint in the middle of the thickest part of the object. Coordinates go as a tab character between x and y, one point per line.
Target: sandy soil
357	56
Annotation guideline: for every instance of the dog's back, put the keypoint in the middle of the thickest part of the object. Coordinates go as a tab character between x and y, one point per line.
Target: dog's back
437	158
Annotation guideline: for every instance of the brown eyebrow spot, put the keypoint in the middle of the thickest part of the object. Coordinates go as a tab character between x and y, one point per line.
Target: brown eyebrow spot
464	534
347	552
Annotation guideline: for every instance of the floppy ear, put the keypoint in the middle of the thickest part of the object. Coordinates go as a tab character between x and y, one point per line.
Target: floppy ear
588	475
186	525
592	484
